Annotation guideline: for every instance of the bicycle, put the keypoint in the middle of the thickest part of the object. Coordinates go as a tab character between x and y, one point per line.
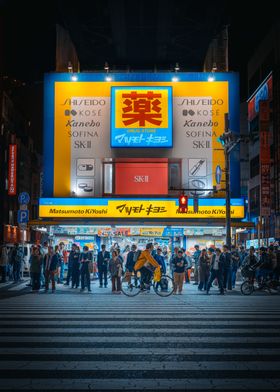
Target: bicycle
132	285
248	286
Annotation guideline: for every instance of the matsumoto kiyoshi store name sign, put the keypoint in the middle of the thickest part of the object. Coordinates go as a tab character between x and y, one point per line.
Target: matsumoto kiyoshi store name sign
135	208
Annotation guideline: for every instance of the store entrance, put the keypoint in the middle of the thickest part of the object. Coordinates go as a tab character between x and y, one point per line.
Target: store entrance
123	237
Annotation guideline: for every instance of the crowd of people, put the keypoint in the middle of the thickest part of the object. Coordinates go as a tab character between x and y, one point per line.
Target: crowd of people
210	265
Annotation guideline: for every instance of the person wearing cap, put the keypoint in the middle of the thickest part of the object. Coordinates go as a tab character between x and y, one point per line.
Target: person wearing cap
216	269
179	265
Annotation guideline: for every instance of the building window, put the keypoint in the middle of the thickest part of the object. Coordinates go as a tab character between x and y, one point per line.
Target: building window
255	166
174	175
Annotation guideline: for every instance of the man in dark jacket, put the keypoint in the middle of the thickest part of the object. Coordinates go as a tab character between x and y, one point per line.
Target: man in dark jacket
227	271
50	265
130	259
103	258
70	264
17	261
216	269
235	260
264	265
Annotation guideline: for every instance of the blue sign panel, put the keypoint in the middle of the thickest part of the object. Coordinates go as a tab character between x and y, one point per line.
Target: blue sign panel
141	116
23	216
23	198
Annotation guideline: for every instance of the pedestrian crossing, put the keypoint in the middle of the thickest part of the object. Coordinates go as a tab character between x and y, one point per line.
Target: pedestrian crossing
102	342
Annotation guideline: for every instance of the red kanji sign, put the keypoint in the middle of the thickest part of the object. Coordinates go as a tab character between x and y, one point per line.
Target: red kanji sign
141	108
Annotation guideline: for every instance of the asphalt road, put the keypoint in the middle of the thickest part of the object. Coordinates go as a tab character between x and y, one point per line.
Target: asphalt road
72	341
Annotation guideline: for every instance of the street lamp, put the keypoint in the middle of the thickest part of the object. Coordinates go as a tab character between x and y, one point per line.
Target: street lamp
229	141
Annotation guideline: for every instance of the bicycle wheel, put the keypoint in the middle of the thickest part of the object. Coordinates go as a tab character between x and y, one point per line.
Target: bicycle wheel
132	287
164	287
247	288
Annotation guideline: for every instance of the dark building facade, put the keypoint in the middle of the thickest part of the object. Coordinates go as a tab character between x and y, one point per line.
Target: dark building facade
20	163
264	133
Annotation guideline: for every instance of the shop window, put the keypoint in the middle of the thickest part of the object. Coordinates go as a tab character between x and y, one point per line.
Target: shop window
174	177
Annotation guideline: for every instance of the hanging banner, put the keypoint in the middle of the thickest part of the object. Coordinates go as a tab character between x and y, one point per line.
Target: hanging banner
12	171
263	93
111	232
265	200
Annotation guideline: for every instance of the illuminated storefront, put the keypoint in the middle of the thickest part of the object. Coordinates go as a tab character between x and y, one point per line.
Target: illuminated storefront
120	150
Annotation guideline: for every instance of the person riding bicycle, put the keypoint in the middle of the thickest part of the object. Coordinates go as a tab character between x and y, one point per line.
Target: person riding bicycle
146	264
265	267
251	259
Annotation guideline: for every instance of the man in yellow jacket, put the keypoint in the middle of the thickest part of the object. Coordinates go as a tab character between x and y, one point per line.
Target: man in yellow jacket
144	264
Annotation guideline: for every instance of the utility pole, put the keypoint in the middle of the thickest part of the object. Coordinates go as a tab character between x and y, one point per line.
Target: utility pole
228	214
229	141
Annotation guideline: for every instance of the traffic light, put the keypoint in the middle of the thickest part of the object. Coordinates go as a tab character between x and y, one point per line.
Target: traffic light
183	203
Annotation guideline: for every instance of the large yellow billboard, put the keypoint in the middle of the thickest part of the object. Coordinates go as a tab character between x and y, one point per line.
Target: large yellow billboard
91	119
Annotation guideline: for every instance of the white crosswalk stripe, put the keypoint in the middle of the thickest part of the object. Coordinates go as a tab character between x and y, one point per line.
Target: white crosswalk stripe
76	342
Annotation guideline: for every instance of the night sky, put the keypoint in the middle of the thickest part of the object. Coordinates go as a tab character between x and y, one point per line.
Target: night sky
139	35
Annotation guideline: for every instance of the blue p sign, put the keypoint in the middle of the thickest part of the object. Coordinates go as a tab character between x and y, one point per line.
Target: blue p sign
23	216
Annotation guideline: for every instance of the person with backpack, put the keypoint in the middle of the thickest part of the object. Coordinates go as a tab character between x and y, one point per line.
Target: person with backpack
145	264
